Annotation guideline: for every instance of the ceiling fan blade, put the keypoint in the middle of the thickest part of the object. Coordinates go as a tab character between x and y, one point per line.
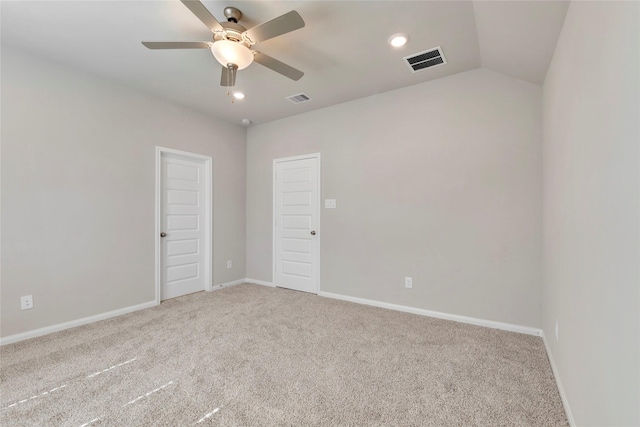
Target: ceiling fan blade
203	14
227	78
276	27
277	66
176	45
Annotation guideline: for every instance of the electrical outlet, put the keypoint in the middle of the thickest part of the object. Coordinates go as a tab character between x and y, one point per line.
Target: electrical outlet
26	302
557	329
408	282
229	264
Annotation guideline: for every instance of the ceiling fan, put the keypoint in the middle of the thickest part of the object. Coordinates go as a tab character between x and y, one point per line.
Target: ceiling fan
232	43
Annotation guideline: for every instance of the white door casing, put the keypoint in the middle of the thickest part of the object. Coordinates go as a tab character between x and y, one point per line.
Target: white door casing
296	228
183	223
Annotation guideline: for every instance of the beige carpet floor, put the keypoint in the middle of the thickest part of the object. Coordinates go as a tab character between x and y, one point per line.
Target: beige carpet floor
256	356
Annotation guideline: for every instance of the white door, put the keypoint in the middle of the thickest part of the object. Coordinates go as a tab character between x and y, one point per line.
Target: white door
296	223
184	242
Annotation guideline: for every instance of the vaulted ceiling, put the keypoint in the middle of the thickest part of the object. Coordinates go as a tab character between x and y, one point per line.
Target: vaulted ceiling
342	49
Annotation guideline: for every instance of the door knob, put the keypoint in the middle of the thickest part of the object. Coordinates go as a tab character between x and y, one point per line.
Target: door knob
313	233
163	234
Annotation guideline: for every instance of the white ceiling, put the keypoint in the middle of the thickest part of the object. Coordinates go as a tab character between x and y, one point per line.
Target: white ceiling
342	50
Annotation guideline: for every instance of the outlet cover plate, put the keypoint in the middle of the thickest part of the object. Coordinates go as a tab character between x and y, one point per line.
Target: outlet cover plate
408	282
26	302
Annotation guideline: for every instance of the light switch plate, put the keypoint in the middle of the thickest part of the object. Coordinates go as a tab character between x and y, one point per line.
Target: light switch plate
330	203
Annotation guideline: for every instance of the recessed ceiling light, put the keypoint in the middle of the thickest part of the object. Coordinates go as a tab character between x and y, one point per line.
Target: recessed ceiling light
398	40
238	95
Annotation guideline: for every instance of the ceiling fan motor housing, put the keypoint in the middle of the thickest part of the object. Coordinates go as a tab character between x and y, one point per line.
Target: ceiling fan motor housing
233	31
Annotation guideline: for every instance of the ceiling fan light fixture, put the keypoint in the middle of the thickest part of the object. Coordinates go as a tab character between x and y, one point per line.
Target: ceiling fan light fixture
398	40
232	42
230	52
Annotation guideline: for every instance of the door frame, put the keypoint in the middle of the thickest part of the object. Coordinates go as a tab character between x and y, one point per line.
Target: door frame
273	215
208	215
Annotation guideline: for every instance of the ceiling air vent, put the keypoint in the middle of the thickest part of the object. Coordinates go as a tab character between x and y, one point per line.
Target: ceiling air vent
299	98
427	59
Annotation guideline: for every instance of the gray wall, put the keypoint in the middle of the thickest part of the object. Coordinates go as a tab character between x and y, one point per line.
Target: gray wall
78	191
440	181
591	212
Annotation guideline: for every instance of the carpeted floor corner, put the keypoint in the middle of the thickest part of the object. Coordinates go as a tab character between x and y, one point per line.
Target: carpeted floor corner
256	356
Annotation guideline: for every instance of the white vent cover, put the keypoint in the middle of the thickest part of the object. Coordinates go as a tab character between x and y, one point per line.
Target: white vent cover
299	98
427	59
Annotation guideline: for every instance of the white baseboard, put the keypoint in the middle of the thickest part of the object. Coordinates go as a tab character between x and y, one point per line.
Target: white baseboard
260	282
79	322
226	285
563	396
72	324
422	312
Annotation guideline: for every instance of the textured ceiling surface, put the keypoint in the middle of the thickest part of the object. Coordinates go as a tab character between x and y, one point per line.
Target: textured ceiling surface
342	50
